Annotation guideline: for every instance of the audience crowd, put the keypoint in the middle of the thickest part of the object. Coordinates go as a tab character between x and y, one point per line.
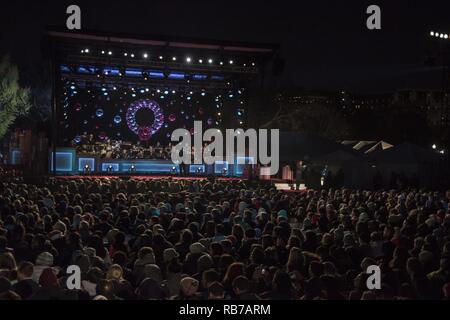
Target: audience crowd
217	239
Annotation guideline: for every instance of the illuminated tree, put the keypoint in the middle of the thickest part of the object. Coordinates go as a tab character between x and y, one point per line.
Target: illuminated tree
14	100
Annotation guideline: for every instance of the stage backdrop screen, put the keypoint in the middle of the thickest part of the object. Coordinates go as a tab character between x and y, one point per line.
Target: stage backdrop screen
141	113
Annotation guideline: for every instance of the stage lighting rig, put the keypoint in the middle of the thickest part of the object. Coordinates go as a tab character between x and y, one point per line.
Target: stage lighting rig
439	35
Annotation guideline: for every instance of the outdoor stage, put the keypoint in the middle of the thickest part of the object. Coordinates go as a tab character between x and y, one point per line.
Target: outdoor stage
68	162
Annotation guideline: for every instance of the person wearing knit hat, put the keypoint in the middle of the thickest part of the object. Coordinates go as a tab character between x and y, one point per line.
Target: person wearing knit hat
43	261
115	272
197	247
169	254
151	271
282	213
60	226
205	262
188	286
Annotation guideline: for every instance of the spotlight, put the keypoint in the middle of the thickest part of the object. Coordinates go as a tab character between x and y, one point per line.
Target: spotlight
431	33
441	35
109	52
221	63
253	64
174	58
210	60
231	61
160	57
445	36
103	51
434	146
132	55
188	59
442	151
125	54
200	61
86	50
145	55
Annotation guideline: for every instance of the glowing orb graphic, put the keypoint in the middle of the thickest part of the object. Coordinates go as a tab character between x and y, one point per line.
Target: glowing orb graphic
144	131
117	119
99	113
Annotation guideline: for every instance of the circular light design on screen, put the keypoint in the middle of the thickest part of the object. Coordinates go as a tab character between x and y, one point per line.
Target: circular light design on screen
99	113
144	131
77	139
117	119
172	117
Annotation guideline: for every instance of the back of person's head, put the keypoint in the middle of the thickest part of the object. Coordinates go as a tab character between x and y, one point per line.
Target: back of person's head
216	249
233	271
144	251
282	282
216	291
240	285
120	258
220	229
7	261
48	278
250	233
174	266
315	269
209	276
25	270
105	288
257	255
94	275
186	236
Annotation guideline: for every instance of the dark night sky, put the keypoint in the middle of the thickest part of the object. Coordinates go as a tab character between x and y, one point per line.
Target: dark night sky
325	43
